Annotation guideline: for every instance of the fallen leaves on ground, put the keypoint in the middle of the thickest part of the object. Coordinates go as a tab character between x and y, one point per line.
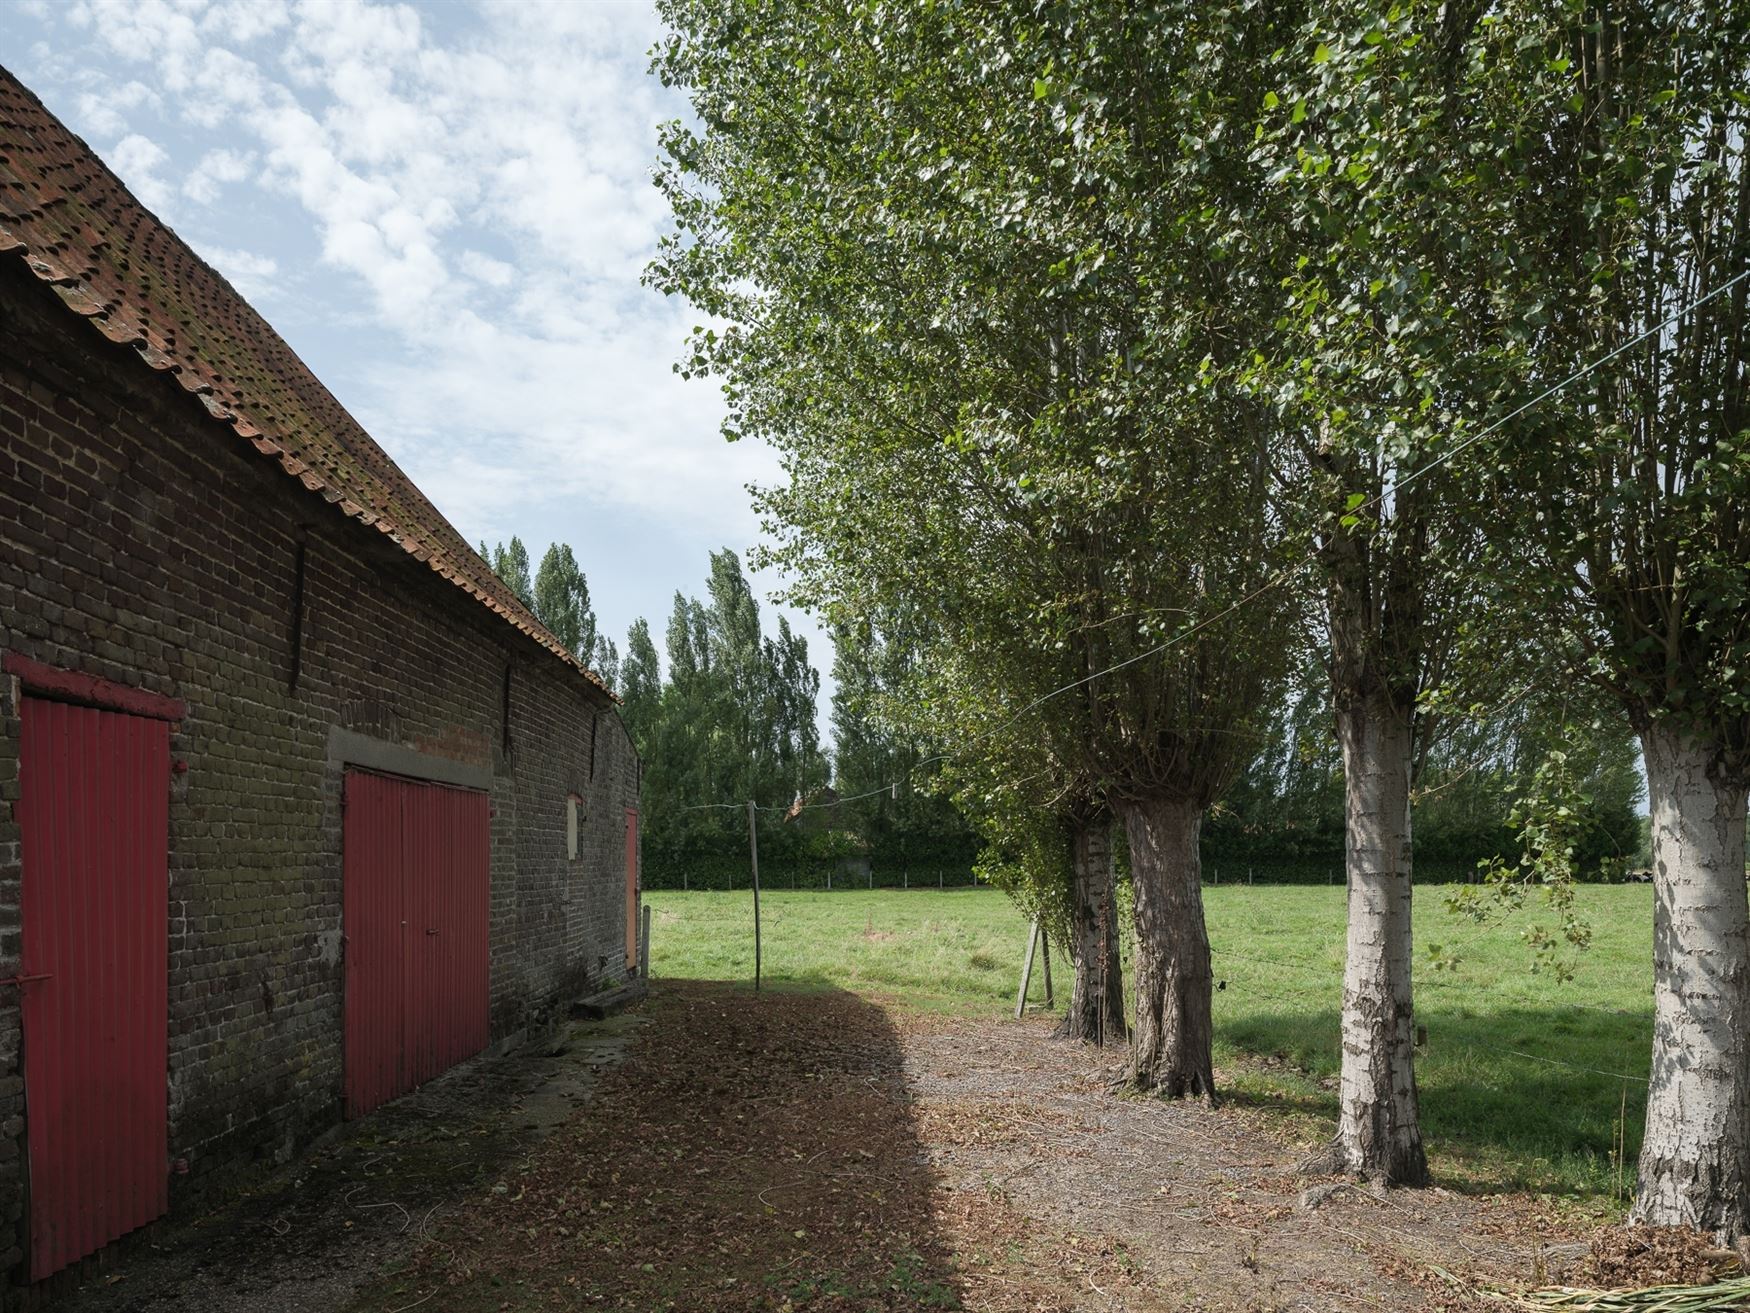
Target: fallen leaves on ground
1625	1257
754	1153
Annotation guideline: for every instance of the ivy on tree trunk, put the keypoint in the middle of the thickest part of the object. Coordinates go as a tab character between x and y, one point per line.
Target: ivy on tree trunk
1096	1005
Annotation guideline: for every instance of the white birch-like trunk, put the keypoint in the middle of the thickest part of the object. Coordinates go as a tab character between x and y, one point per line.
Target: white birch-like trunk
1096	1006
1693	1168
1171	1044
1379	1134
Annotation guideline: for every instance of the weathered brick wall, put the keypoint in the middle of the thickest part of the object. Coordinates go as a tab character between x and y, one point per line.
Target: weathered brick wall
143	542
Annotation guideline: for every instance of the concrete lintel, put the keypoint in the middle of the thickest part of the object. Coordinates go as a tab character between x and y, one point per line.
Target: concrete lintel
348	747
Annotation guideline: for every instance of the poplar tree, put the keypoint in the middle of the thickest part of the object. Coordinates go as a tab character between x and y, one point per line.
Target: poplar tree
1371	217
511	564
1628	493
970	300
640	682
560	597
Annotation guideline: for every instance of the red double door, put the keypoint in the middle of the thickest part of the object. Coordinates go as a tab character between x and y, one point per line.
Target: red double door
417	925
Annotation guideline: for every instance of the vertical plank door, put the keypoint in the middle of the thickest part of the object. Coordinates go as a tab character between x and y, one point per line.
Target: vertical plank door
416	871
94	906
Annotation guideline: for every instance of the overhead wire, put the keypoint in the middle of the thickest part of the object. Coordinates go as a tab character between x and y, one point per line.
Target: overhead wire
1287	572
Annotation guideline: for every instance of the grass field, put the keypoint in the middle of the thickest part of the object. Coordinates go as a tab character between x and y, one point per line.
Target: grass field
1527	1083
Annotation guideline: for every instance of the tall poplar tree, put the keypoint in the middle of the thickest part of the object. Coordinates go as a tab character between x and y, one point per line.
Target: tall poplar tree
1389	341
560	597
1629	492
984	382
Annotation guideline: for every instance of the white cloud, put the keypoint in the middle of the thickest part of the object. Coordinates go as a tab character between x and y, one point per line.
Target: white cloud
137	159
111	108
216	168
244	20
484	269
251	274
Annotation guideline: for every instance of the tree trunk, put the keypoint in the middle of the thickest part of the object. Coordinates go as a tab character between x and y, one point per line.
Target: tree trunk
1379	1133
1170	1045
1695	1162
1096	1005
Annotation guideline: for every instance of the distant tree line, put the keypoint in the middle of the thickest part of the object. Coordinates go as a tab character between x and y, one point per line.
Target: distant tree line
1283	820
726	713
732	717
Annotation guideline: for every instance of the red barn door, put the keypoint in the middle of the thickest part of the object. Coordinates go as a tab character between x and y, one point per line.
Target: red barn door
417	919
94	904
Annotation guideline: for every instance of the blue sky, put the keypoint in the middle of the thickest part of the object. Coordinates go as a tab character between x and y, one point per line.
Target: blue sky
445	209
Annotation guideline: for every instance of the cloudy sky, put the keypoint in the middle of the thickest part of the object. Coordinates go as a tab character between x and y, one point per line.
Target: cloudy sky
445	208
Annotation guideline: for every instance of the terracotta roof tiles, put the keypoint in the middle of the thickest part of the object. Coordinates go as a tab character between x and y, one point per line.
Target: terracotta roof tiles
111	262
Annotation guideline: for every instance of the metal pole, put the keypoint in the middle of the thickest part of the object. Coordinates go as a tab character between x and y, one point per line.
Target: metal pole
753	851
644	941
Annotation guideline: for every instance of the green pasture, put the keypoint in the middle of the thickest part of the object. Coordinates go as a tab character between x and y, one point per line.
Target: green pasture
1527	1082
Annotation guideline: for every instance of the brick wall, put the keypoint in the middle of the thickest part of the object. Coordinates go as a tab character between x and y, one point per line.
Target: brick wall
143	542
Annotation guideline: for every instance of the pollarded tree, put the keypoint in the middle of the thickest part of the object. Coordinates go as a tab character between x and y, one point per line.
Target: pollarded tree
1047	833
1054	857
1630	495
972	300
1390	338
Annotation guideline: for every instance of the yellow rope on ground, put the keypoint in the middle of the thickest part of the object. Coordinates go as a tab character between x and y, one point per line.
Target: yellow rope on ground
1715	1297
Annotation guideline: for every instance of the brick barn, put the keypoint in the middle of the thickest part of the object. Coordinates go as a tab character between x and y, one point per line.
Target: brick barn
299	805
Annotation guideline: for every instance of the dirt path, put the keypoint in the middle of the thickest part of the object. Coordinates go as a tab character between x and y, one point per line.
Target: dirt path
1138	1204
818	1151
814	1151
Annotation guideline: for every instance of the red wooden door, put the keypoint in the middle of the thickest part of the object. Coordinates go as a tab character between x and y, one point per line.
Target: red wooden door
94	904
631	889
417	912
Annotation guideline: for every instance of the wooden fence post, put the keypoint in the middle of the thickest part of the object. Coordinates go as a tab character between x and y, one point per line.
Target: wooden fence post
1027	970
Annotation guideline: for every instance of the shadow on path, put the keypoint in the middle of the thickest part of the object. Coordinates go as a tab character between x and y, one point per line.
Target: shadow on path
754	1152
